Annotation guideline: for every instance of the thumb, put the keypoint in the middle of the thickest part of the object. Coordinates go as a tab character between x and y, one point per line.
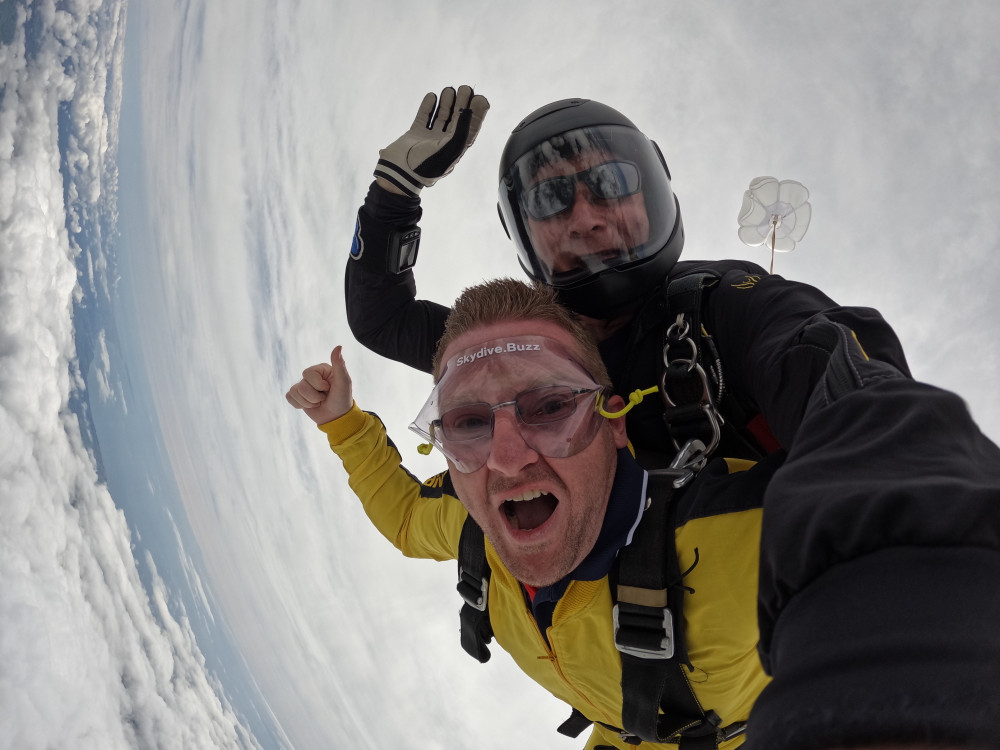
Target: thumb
337	386
339	373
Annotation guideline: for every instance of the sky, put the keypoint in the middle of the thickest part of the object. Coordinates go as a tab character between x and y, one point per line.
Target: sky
182	561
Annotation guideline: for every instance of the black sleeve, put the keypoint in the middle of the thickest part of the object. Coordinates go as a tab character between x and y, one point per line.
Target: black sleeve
759	322
382	309
879	593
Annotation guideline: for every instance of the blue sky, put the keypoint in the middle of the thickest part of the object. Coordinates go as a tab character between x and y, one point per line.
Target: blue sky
247	138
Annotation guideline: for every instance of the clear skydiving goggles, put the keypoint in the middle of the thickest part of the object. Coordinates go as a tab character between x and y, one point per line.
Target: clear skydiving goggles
557	405
611	180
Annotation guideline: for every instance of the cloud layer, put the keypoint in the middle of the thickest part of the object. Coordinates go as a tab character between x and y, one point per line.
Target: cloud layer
89	659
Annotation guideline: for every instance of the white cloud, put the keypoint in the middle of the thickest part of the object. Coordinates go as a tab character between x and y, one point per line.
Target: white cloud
88	659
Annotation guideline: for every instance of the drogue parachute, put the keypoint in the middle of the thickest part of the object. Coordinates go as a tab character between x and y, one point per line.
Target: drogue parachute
774	213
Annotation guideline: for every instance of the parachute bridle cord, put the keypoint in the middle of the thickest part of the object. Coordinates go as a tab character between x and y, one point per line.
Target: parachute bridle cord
775	223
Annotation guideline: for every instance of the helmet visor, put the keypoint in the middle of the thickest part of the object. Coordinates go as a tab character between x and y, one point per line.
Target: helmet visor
586	201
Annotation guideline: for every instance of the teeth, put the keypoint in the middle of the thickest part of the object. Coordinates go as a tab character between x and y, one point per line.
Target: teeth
529	495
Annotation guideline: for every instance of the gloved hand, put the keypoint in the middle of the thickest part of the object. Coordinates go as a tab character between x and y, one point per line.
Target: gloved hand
435	142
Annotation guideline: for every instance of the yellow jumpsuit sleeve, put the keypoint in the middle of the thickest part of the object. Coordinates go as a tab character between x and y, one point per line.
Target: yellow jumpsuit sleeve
421	520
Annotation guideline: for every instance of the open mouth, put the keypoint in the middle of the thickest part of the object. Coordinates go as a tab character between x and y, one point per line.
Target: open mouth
530	510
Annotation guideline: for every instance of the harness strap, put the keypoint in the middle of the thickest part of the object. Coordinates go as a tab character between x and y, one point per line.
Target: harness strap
575	724
473	587
649	636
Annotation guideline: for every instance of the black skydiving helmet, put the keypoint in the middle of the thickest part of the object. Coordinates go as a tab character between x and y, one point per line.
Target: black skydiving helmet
579	149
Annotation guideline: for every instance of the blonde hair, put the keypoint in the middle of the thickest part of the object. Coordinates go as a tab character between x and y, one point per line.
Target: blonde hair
506	299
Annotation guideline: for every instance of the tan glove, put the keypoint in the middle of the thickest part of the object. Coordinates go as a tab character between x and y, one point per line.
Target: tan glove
435	142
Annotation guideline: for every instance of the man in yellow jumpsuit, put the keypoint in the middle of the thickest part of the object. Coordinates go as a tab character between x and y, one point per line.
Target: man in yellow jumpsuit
552	484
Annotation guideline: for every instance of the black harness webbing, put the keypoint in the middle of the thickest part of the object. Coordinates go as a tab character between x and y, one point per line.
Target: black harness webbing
473	587
649	633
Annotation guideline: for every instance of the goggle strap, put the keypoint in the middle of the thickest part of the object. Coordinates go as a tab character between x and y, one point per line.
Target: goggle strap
634	398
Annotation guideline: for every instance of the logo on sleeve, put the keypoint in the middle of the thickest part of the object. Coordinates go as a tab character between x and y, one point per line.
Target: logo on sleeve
357	244
749	281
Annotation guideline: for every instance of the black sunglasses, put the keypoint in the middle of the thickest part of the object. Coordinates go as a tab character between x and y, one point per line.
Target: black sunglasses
608	181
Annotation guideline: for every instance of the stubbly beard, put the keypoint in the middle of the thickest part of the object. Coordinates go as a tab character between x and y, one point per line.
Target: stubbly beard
522	561
552	559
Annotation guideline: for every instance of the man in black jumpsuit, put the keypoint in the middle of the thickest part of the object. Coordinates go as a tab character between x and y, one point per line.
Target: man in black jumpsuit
879	599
